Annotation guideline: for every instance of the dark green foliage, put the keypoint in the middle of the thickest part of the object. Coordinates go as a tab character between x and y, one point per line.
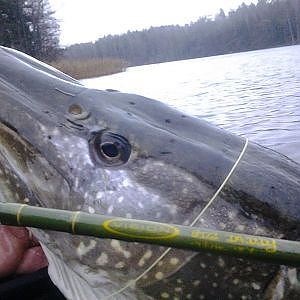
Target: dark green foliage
267	24
29	26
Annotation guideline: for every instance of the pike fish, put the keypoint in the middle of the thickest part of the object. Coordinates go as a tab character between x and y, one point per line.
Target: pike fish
65	146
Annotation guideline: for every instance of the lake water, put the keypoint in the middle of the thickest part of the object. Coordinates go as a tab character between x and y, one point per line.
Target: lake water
254	94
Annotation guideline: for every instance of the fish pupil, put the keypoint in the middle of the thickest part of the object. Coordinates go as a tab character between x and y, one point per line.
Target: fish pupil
111	150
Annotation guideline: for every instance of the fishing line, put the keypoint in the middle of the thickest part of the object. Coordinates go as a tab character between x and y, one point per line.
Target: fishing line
132	282
222	185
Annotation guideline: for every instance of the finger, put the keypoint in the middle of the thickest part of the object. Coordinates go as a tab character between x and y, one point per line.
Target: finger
13	243
33	260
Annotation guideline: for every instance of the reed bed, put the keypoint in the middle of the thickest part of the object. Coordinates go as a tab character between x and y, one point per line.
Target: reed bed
88	68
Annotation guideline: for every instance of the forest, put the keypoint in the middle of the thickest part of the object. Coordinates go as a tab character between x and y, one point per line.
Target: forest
31	26
269	23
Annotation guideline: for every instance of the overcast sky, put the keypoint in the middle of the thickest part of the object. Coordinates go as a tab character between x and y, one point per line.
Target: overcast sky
88	20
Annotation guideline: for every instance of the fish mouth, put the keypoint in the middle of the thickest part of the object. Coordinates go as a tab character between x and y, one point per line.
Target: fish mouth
26	176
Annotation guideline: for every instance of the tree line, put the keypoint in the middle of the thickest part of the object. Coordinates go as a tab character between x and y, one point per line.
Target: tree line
30	26
269	23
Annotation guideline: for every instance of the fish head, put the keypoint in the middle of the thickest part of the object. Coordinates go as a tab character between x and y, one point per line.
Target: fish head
116	153
68	147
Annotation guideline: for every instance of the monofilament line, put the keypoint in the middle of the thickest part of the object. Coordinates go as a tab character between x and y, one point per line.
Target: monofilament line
132	282
222	185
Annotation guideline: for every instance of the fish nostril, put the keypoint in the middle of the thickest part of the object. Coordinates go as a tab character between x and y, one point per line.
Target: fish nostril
75	109
78	112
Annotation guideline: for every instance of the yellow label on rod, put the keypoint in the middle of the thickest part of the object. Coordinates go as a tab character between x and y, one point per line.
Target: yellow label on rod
267	244
138	229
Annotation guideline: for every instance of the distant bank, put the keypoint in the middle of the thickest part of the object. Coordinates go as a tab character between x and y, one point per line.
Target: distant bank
88	68
268	24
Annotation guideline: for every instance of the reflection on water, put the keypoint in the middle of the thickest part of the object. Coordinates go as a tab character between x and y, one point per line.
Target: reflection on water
254	94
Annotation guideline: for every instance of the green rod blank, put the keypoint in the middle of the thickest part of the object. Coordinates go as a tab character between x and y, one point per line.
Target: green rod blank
276	251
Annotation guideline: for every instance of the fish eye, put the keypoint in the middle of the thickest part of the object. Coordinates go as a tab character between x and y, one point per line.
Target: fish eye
110	149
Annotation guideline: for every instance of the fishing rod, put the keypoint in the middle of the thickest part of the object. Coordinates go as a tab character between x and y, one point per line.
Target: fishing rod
277	251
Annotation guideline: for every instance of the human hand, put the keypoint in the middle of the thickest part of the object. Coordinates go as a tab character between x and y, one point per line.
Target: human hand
20	252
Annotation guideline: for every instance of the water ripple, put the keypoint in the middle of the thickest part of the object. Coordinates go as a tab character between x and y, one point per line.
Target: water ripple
254	94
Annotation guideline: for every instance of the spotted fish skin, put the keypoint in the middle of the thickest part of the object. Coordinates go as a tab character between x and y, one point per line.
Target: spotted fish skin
49	128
